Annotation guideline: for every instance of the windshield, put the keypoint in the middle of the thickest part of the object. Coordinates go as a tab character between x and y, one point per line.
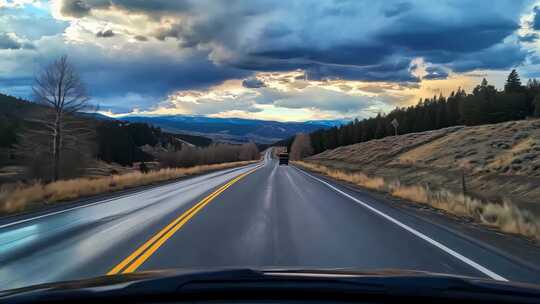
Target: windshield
367	136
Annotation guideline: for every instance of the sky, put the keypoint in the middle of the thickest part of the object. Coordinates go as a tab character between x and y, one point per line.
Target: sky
289	60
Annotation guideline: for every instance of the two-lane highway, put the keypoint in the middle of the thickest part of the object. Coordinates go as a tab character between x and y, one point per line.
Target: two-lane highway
262	215
89	240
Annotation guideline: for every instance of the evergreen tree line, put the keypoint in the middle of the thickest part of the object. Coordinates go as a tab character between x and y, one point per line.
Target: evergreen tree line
112	141
484	105
120	142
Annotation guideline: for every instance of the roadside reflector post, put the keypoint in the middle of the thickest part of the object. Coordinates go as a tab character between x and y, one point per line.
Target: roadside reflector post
395	124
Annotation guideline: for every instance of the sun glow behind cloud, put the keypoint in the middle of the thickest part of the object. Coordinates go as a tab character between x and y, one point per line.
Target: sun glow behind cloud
290	96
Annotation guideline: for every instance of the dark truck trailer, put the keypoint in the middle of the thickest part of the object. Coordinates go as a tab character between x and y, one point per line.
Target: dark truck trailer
283	159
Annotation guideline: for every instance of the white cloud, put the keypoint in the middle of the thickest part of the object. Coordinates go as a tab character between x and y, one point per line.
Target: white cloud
284	94
18	3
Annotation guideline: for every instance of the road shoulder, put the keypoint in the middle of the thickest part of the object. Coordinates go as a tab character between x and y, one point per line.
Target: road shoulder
99	198
517	249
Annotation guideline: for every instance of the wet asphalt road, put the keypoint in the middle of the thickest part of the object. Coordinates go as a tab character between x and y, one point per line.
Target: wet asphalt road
265	216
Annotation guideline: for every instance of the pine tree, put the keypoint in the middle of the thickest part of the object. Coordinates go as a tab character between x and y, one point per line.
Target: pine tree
533	84
536	112
440	121
513	83
357	131
380	128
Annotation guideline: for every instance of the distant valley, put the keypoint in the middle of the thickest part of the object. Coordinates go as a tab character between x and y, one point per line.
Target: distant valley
233	130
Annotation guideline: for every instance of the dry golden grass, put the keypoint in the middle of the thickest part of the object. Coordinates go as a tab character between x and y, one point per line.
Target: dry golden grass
380	151
357	178
18	198
504	216
510	148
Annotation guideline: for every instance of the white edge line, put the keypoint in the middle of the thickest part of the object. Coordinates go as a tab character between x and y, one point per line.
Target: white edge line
81	206
453	253
65	210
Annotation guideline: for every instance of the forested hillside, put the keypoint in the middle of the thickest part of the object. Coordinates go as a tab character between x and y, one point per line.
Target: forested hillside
108	140
484	105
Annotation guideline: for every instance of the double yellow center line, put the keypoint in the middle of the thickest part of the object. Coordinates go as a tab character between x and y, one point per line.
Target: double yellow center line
139	256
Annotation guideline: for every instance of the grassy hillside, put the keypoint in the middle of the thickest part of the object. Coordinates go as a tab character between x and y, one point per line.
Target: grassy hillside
501	162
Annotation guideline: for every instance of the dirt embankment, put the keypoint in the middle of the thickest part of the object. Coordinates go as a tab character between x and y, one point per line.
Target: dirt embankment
501	162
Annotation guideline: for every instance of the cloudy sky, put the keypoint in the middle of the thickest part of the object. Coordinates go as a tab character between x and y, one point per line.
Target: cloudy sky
282	60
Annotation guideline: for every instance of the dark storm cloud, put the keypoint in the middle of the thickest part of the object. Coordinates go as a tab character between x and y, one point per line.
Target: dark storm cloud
532	37
253	83
81	8
422	36
105	34
276	30
498	57
154	6
154	76
75	8
397	9
113	79
16	86
393	69
461	41
122	86
329	38
435	73
345	54
536	20
15	81
8	42
350	39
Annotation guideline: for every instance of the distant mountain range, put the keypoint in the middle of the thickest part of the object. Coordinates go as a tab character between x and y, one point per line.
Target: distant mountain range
235	130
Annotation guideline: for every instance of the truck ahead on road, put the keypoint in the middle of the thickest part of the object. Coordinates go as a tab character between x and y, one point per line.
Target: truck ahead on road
283	159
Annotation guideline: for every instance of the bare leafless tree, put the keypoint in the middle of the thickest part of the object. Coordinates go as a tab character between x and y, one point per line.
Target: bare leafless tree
301	147
249	151
214	154
57	127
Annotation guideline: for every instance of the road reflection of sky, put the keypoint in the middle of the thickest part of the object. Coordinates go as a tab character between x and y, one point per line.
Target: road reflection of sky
17	238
